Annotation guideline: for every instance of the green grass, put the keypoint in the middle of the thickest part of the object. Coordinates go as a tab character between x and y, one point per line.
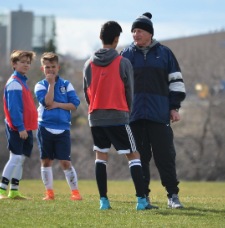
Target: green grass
204	206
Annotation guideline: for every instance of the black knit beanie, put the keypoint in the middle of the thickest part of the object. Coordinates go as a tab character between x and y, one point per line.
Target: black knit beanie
144	22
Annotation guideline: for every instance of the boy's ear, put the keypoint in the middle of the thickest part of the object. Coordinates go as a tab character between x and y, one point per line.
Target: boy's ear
59	66
42	68
100	37
116	40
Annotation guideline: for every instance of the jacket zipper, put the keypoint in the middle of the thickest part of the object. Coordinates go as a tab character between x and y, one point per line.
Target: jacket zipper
145	88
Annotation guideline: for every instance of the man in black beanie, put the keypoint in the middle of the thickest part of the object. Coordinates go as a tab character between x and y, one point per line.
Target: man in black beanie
158	93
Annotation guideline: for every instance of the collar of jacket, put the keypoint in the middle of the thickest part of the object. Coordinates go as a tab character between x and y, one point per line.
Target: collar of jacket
154	43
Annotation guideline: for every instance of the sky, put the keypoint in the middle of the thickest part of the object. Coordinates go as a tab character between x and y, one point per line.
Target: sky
78	23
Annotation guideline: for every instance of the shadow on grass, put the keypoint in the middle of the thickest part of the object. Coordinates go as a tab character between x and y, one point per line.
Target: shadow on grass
191	211
204	210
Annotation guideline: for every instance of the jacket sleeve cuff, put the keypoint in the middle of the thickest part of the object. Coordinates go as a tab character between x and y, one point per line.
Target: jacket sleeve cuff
21	128
173	107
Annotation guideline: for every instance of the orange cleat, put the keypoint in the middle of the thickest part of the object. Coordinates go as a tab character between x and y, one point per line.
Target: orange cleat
76	195
49	195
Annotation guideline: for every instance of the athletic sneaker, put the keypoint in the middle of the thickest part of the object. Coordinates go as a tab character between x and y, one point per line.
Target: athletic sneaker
104	204
149	203
142	204
76	195
3	194
174	202
49	195
14	194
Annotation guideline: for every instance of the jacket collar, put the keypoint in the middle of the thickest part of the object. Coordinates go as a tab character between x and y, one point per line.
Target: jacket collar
154	43
20	76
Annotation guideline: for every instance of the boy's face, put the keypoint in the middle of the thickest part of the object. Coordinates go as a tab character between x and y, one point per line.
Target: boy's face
50	68
22	65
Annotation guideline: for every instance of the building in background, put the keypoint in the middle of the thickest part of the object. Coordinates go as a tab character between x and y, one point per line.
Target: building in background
43	38
24	31
3	34
19	31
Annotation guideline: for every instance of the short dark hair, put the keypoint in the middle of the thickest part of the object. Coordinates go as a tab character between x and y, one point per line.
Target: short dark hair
109	31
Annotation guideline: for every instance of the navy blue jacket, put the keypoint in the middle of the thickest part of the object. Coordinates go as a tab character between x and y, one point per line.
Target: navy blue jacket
158	83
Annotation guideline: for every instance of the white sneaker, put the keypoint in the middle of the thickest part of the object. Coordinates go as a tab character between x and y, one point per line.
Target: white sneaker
174	202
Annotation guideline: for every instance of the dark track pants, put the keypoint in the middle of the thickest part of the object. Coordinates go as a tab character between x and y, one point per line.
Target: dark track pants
157	139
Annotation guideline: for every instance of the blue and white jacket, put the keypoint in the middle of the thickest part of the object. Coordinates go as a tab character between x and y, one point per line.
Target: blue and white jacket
158	83
63	93
14	99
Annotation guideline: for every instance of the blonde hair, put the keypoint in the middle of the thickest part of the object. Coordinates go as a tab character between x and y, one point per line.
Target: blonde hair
49	56
18	54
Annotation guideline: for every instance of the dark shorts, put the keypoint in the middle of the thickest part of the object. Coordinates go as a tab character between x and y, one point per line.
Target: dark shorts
17	145
120	136
54	146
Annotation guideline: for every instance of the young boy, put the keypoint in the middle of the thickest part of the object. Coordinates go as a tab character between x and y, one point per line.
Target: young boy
108	88
57	98
20	120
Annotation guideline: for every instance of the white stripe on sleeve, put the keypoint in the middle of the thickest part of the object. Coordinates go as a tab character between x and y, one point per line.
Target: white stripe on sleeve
175	76
14	85
39	87
70	87
177	87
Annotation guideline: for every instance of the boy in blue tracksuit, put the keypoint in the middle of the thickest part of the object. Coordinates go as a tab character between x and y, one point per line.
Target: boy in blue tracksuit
57	98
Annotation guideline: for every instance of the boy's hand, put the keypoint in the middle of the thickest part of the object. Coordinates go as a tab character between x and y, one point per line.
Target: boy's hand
50	78
23	134
52	106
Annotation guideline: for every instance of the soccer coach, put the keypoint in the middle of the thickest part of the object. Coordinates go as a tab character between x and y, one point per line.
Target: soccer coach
158	93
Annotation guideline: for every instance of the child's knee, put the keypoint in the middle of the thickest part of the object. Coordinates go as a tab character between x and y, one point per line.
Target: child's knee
46	162
15	159
65	164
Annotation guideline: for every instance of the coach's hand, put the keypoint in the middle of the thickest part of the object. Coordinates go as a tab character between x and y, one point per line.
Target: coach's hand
174	116
23	134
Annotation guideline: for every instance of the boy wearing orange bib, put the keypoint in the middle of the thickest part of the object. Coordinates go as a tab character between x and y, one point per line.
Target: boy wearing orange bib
108	88
20	120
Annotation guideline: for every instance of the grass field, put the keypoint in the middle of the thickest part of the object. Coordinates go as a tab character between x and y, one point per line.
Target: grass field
204	206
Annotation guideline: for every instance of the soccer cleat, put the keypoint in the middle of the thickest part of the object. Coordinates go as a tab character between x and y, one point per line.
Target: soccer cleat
3	194
76	195
14	194
149	203
49	195
174	202
104	204
142	204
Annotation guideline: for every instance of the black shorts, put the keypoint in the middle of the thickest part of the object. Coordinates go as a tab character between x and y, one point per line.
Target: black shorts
120	136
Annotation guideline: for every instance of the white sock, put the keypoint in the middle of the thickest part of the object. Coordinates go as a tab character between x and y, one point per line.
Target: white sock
134	162
47	177
17	174
9	168
71	177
